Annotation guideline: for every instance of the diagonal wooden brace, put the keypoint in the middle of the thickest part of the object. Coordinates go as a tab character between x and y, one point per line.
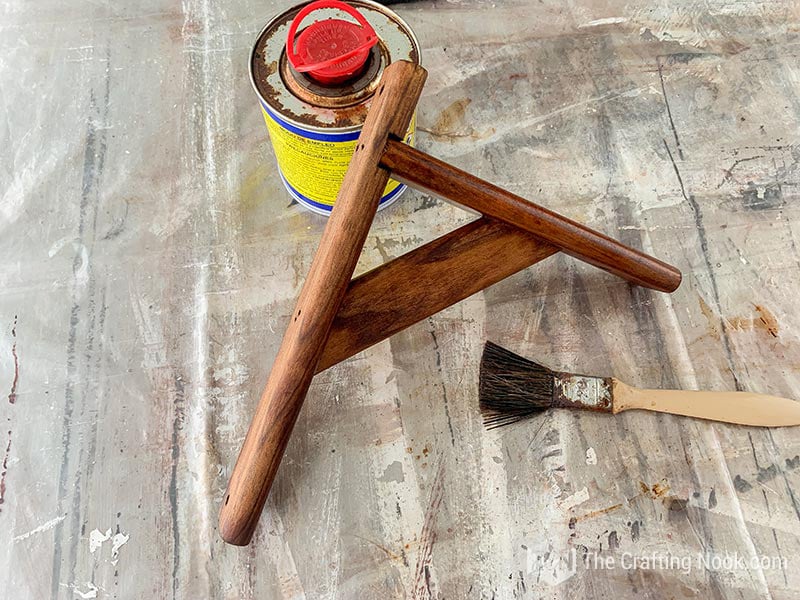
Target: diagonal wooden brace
428	279
336	317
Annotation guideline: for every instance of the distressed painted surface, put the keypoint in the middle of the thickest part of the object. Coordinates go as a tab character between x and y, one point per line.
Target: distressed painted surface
151	258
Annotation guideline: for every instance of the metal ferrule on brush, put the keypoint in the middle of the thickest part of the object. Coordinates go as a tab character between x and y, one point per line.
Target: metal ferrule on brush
582	391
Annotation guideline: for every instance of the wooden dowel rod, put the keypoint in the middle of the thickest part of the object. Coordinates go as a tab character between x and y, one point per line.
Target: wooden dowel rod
426	280
421	170
305	338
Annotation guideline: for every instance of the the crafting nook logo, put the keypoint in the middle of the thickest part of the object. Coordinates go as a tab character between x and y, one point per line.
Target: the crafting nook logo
656	562
548	565
552	567
739	562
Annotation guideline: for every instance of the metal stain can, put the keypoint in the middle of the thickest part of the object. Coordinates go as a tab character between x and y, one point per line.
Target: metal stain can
315	85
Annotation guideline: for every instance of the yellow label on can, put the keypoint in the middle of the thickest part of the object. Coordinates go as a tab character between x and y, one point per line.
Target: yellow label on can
312	164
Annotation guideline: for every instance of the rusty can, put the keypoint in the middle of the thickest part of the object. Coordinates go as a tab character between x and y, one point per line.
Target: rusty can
315	79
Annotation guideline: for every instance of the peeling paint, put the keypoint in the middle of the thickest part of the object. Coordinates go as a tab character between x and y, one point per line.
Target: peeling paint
96	539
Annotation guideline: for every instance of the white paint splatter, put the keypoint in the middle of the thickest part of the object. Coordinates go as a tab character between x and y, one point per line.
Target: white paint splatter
741	257
56	246
119	540
577	498
43	527
97	537
606	21
91	592
591	457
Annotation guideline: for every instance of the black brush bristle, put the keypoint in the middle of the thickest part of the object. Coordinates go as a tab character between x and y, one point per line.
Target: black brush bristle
512	388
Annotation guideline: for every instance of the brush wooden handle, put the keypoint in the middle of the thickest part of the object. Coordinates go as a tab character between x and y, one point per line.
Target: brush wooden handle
421	170
304	341
744	408
426	280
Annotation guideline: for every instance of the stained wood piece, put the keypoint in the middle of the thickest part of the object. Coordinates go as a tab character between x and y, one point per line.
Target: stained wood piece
321	295
379	150
421	170
428	279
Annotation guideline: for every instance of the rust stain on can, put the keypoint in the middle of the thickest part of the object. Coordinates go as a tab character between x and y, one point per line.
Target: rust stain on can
294	96
313	125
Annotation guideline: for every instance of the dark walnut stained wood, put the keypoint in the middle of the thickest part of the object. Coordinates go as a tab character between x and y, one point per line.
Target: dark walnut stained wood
426	280
421	170
454	267
321	295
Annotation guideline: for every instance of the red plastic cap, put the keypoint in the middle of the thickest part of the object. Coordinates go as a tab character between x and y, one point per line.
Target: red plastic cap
332	50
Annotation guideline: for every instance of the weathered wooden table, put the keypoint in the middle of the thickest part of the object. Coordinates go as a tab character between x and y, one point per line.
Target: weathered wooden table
150	258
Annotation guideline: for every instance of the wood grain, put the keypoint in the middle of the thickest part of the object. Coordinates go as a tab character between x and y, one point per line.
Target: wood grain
322	293
421	170
426	280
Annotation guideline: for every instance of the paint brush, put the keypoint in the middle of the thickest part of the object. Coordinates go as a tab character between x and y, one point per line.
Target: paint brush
513	388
